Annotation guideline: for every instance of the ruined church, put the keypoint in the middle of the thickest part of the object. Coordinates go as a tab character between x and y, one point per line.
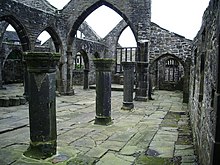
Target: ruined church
82	99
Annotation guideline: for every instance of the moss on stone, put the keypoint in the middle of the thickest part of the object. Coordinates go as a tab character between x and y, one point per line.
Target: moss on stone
81	160
149	160
103	120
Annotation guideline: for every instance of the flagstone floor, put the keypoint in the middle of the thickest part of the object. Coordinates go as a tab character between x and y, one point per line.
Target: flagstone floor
155	132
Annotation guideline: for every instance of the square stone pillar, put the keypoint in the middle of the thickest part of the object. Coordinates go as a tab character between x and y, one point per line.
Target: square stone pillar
103	91
141	92
41	67
128	85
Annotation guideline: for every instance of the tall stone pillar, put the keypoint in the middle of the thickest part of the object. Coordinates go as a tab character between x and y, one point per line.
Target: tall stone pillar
141	84
42	104
70	90
128	85
142	71
186	81
150	88
103	91
86	79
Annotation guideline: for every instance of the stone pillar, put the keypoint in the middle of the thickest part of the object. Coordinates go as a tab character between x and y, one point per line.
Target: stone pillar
26	92
150	88
186	81
103	91
1	81
70	90
86	79
128	85
42	104
141	84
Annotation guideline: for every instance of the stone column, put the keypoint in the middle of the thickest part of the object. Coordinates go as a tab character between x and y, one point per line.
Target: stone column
103	91
142	84
70	90
1	81
42	104
128	85
26	92
186	81
86	79
150	88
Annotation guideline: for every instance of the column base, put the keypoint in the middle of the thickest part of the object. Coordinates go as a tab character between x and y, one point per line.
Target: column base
41	150
127	106
102	120
140	98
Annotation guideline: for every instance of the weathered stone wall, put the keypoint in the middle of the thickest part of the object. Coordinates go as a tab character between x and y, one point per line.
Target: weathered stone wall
164	45
30	18
203	84
163	41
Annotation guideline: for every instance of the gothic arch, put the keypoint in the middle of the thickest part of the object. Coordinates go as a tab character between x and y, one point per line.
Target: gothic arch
20	29
55	37
87	12
85	58
186	68
167	55
10	50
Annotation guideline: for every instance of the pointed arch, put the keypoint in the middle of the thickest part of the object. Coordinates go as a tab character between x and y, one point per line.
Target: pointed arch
20	29
55	37
85	58
167	55
87	12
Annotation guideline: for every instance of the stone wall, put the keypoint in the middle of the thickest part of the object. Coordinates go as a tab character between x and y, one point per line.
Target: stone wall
30	18
164	45
163	41
203	84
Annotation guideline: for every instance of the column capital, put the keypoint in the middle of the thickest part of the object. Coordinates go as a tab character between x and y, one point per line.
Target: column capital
41	62
103	64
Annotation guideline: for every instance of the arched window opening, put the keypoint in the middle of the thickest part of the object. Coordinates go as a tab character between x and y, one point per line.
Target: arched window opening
80	35
14	26
103	20
10	36
81	68
79	62
13	71
59	4
44	43
172	71
127	38
126	50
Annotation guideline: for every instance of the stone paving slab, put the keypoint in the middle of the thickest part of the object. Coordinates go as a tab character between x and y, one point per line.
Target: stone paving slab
153	127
